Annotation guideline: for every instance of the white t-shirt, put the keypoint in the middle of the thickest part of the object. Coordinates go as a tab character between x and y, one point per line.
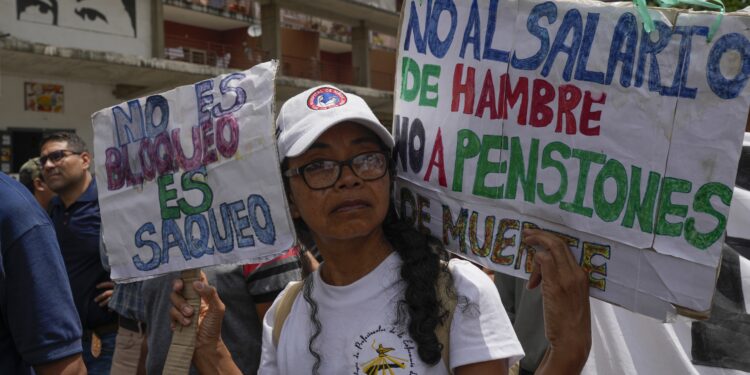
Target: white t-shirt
359	336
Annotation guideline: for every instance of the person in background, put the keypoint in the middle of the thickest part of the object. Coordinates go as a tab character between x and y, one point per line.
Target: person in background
39	325
30	175
382	297
241	287
130	345
74	212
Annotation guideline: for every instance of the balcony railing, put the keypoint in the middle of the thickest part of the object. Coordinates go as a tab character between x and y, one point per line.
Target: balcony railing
237	8
198	52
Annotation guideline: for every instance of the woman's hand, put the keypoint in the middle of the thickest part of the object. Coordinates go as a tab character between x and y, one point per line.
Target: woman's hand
211	355
565	296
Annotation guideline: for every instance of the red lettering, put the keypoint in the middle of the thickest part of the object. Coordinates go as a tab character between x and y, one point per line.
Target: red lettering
113	164
466	89
568	100
543	93
487	97
147	166
209	154
437	160
587	115
510	96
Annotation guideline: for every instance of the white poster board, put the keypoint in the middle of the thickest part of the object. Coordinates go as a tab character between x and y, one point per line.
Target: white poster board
567	116
190	178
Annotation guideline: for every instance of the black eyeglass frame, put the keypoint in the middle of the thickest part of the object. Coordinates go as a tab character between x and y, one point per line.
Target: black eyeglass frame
299	171
56	156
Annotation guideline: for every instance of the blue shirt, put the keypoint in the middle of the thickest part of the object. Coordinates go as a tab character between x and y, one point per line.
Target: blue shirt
77	230
38	320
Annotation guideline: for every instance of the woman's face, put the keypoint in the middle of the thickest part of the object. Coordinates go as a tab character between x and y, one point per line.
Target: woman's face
352	207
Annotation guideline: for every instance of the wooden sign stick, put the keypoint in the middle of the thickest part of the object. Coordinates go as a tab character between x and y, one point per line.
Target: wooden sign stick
181	349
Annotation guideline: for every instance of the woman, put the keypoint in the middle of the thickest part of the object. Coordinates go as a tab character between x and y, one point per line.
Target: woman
372	306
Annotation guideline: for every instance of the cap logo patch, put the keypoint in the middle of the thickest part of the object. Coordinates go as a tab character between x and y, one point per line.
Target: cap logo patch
326	98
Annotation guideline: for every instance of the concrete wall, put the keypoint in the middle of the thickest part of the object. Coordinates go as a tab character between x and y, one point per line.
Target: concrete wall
382	69
80	101
299	49
80	25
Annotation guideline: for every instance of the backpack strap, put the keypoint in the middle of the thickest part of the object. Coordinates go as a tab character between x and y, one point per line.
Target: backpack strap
283	309
443	331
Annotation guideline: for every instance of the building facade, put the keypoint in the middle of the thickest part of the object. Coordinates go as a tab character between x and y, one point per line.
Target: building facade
61	61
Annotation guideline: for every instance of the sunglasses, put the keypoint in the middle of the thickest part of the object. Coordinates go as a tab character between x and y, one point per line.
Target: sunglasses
56	156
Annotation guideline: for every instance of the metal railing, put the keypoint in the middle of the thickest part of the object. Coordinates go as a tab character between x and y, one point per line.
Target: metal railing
243	8
197	51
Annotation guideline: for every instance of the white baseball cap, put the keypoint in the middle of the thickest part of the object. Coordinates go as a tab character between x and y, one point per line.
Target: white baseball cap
304	117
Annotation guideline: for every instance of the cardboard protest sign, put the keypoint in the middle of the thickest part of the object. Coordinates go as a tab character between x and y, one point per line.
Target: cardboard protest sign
190	178
570	117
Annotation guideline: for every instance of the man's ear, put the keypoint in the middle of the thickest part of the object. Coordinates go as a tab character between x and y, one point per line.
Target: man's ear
86	157
39	185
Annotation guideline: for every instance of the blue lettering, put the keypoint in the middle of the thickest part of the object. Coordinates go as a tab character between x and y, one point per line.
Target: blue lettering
440	47
223	244
156	101
582	74
471	33
201	88
723	87
687	33
626	33
266	234
197	246
129	127
548	10
652	48
572	22
239	95
241	223
155	250
489	52
170	229
413	27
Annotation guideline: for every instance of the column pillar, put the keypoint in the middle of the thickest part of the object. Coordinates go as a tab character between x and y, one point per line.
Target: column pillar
361	54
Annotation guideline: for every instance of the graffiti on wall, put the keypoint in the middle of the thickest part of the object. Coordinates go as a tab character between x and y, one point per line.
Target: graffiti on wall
111	17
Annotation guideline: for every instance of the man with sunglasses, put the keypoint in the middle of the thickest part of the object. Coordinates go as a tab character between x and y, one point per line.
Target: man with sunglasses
65	165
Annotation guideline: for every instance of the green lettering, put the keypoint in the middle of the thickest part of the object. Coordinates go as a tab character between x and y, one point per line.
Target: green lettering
702	203
644	209
189	182
586	158
547	162
409	66
485	167
516	171
610	211
671	185
467	147
428	72
166	195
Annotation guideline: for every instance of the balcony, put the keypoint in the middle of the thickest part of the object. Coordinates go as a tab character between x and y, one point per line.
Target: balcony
243	10
312	68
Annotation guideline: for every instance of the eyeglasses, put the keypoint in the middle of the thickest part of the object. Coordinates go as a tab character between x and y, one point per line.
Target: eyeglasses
56	156
322	174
